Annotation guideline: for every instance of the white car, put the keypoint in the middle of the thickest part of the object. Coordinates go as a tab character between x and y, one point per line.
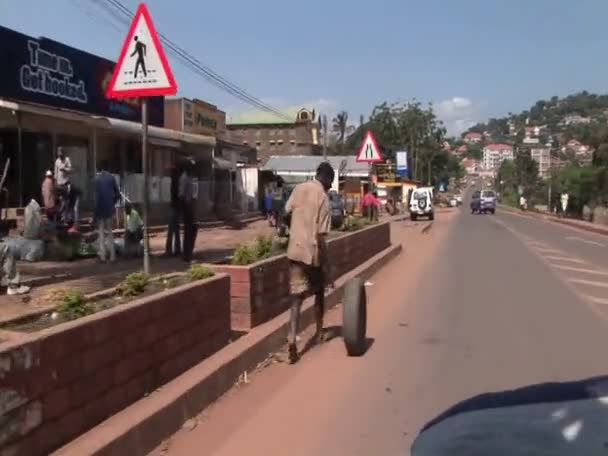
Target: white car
421	203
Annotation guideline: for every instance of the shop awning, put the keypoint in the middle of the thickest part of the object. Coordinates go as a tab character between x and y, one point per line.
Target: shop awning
44	111
157	132
161	136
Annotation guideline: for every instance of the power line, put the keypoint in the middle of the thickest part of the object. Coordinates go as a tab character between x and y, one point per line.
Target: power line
122	14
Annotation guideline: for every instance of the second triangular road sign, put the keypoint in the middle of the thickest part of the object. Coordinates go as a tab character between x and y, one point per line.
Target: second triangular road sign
370	151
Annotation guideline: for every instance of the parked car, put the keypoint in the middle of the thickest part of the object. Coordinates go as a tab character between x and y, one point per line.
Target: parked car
337	209
483	201
459	199
421	203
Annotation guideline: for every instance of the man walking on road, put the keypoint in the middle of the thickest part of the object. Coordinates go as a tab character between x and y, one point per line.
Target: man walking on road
106	197
308	210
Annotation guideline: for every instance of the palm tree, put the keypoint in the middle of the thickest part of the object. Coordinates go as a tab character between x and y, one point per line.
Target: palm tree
339	126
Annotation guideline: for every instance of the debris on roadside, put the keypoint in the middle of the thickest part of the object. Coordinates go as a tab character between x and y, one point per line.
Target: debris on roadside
190	424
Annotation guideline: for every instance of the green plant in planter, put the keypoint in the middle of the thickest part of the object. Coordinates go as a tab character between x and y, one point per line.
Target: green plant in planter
243	255
73	305
355	224
199	272
133	285
263	247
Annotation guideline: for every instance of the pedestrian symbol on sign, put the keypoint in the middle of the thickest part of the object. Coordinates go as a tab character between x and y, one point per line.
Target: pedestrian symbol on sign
142	69
140	50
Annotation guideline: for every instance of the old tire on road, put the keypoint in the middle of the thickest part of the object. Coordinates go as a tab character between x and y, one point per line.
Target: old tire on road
354	317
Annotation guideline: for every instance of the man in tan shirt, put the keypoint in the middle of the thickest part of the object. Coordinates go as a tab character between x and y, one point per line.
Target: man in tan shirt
310	222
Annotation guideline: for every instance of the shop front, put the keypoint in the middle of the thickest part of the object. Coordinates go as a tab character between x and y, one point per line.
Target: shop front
53	95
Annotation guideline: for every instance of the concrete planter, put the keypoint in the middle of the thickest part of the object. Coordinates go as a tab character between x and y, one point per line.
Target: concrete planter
260	291
59	382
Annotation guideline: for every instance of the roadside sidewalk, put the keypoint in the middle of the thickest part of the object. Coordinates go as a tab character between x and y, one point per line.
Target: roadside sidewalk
579	224
89	275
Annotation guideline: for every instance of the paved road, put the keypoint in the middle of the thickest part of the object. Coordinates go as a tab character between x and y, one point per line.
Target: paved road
480	304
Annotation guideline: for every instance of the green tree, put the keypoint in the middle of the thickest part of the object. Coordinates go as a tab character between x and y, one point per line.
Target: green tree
339	127
526	171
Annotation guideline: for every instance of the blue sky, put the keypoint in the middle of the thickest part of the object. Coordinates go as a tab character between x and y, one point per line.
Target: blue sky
472	58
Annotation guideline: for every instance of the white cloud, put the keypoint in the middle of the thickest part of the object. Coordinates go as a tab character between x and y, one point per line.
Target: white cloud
459	113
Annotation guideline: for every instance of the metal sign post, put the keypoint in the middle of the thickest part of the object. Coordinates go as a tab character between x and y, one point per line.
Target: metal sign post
144	157
142	71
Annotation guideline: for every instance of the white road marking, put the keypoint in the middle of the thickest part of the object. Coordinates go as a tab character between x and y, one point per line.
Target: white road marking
596	300
549	251
584	271
561	258
538	244
593	283
585	241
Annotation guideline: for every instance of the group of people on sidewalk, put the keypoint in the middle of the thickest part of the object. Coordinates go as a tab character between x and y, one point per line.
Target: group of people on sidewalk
60	196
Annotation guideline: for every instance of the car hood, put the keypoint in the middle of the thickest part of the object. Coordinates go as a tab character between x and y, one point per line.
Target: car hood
549	419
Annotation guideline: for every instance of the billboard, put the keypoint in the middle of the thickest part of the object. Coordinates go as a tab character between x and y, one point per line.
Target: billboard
402	168
43	71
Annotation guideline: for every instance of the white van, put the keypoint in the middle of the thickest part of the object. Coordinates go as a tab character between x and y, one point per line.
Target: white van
421	203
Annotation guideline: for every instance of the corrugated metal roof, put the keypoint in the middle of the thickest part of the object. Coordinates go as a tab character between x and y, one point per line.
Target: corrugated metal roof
309	163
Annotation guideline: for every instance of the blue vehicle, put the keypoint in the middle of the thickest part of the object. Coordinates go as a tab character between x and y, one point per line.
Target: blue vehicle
483	201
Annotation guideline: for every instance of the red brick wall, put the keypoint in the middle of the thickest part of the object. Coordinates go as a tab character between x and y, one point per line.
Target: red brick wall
60	382
260	292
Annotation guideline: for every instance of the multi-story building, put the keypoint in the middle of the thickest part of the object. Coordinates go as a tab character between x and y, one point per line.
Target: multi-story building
473	138
495	154
542	156
300	137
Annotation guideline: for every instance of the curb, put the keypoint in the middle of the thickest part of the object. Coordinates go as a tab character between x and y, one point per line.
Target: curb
548	218
144	425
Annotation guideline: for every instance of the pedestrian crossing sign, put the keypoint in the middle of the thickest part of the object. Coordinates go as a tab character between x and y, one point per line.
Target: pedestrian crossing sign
370	151
142	69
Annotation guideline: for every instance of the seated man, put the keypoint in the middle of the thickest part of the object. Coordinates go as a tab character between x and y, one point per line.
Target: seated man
133	229
9	267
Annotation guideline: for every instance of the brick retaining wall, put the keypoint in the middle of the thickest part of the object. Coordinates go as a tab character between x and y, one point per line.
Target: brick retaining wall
260	291
60	382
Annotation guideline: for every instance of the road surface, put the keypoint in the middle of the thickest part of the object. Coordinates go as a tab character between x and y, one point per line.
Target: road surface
479	304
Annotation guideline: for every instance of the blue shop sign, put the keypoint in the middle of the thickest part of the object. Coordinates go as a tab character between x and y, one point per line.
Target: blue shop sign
43	71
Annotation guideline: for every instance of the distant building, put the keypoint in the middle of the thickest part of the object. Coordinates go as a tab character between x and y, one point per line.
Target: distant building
470	165
495	154
542	156
582	153
279	137
575	119
473	138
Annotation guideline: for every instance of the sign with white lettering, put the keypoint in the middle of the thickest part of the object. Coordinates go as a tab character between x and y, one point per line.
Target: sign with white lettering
45	72
51	74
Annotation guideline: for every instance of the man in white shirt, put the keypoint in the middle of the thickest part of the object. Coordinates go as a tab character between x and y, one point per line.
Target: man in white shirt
63	168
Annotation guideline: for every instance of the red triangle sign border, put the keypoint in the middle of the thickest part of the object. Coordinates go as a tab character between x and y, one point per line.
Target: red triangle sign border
142	10
369	136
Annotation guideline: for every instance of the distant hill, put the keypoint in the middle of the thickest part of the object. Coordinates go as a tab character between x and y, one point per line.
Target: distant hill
582	116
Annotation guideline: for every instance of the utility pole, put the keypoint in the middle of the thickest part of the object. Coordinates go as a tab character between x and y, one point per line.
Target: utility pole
550	183
324	121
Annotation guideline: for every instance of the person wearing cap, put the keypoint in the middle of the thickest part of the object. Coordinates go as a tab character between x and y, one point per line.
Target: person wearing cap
49	195
307	211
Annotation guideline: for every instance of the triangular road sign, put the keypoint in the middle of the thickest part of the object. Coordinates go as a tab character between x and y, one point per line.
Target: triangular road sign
142	69
370	151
